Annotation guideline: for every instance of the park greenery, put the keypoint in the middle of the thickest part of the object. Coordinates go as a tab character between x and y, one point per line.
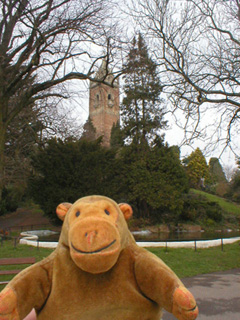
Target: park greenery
42	157
43	45
142	109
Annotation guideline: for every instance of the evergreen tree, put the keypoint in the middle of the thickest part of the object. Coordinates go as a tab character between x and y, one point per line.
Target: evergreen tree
218	179
216	171
234	192
235	187
116	140
197	169
152	174
67	170
141	110
154	182
89	132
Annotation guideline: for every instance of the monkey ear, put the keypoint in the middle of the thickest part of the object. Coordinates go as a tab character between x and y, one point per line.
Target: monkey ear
62	210
126	210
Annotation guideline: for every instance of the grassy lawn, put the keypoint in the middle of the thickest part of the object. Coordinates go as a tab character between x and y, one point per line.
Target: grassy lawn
187	262
226	205
184	262
9	251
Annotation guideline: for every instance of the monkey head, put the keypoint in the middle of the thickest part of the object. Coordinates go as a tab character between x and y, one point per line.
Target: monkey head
95	231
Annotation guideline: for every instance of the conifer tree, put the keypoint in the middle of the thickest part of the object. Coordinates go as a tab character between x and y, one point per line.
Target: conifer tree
197	169
141	110
216	171
89	131
116	140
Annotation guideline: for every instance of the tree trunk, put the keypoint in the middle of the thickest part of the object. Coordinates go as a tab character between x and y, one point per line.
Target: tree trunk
2	146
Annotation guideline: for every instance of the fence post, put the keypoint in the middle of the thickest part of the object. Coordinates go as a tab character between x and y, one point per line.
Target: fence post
222	243
15	242
166	247
195	245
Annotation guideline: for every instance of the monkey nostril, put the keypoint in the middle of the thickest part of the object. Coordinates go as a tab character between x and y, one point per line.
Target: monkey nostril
90	236
91	233
107	212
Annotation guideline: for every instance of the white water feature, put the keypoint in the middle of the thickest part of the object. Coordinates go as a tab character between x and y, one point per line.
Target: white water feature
31	238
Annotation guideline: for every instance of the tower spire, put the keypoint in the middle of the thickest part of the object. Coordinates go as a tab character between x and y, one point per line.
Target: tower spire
104	103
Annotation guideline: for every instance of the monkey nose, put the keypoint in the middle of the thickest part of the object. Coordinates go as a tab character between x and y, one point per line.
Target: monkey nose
90	236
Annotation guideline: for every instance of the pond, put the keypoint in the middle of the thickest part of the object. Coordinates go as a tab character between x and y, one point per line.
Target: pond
146	235
205	235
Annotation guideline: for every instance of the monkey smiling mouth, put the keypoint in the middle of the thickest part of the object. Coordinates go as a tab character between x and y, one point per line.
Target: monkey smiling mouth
96	251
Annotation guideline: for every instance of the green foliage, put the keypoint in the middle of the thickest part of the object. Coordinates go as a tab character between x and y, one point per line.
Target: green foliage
197	169
227	206
197	208
141	111
21	137
216	171
154	182
219	184
11	198
234	192
153	177
66	171
89	132
116	140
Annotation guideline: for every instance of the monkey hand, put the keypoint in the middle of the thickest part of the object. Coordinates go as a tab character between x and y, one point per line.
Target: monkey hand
184	304
8	305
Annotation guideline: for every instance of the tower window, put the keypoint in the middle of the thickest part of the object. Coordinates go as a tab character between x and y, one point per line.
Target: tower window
110	100
97	101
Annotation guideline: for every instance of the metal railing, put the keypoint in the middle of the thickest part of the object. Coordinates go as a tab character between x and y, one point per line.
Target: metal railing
166	244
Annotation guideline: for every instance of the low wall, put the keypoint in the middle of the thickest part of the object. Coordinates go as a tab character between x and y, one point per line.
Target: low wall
189	244
32	240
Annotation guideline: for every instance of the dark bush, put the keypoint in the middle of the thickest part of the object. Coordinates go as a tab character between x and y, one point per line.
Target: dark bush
198	208
10	200
66	171
152	182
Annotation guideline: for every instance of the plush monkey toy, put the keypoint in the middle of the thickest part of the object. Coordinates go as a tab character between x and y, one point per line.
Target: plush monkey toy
97	272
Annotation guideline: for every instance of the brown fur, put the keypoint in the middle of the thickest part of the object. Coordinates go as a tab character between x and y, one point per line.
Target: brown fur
97	272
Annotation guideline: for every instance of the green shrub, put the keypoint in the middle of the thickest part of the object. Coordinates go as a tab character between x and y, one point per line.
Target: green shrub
199	208
11	198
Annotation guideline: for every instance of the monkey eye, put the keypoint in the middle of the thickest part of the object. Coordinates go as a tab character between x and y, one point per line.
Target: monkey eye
107	212
77	214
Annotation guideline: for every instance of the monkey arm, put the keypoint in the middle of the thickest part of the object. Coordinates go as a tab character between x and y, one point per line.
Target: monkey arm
29	289
160	284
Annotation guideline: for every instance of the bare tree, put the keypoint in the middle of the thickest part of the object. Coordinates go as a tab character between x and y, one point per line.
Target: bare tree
229	171
49	42
197	46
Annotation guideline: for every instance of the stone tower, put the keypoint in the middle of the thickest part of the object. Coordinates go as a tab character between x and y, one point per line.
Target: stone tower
104	105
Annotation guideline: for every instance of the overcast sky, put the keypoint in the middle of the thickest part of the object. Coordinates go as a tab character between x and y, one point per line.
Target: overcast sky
173	135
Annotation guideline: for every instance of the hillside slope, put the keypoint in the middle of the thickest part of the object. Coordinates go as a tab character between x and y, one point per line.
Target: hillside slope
226	205
23	217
